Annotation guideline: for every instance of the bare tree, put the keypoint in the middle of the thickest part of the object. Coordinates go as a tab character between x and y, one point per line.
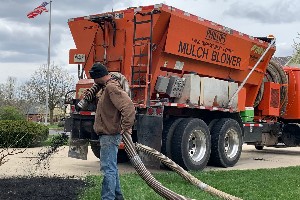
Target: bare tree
296	56
60	83
20	97
26	99
8	92
10	89
1	94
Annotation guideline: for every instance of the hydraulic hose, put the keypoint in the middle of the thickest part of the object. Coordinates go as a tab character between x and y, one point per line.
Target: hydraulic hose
157	186
283	89
276	74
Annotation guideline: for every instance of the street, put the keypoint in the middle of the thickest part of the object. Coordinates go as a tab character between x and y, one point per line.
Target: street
55	131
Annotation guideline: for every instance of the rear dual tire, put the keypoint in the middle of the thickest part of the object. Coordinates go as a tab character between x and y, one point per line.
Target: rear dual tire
167	135
226	143
191	144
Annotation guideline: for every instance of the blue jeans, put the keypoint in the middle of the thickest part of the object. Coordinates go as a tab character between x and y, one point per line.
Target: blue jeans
111	189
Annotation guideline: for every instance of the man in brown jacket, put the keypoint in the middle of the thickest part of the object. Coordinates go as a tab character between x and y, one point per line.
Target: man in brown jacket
115	115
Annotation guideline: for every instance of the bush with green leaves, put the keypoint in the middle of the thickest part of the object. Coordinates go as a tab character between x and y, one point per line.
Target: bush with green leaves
10	113
59	140
20	133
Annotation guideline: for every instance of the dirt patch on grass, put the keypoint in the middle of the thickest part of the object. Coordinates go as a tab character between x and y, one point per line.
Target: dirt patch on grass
42	187
37	188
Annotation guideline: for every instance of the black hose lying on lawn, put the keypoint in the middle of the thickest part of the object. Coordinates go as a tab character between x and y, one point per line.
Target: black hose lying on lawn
157	186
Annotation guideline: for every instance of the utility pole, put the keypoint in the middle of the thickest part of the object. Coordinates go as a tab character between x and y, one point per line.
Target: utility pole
48	66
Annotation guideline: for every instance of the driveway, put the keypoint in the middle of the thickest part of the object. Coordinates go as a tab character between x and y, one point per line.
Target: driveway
269	157
59	164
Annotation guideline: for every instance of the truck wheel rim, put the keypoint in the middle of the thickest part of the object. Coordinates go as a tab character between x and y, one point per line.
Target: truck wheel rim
197	145
231	143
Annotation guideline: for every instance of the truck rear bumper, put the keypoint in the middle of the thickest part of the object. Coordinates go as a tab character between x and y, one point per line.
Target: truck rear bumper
265	134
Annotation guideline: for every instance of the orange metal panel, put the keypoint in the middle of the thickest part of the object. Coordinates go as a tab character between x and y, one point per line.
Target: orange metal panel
293	106
196	41
242	99
82	85
83	32
270	103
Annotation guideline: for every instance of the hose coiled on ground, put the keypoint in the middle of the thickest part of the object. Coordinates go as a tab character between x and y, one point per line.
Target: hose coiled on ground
157	186
276	74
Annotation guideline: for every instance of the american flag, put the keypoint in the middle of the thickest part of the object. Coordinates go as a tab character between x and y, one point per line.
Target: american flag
38	10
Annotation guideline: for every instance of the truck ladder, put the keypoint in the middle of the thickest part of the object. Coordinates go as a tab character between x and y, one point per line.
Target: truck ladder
142	60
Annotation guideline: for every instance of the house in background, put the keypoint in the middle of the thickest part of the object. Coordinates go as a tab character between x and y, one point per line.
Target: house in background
37	114
281	60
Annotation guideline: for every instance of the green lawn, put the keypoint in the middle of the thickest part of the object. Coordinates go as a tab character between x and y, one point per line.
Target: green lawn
55	126
51	139
46	142
281	183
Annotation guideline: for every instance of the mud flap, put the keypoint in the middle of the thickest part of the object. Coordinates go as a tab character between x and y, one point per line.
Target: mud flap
78	148
68	124
149	133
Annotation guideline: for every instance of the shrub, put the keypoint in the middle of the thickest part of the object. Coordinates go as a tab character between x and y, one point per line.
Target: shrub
59	140
20	134
10	113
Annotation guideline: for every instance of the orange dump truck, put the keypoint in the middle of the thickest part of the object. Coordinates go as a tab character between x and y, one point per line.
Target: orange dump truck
200	89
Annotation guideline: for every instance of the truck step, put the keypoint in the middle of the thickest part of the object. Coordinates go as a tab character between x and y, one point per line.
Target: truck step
140	55
138	86
143	22
139	65
147	13
141	72
140	44
142	38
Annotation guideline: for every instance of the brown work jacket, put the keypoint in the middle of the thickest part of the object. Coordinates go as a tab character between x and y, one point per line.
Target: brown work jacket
115	111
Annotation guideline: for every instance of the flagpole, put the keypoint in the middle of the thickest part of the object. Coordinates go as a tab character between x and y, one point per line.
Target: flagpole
48	66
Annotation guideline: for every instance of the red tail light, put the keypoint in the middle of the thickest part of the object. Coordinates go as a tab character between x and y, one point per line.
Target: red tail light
159	111
72	108
150	111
